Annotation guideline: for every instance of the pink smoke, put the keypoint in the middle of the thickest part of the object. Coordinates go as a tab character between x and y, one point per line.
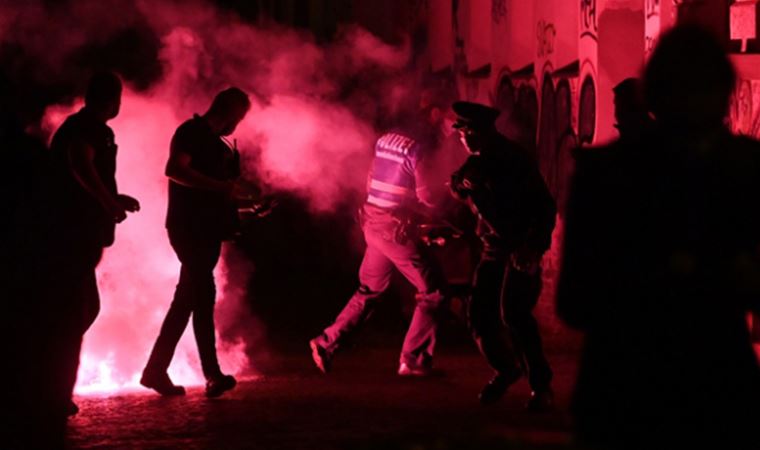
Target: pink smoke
303	135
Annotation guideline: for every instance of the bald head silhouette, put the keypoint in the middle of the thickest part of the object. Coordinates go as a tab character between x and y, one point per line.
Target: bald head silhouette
689	79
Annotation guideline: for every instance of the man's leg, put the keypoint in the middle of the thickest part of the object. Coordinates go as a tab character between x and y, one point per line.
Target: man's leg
173	326
87	298
175	322
199	257
374	278
484	320
421	271
521	293
201	272
484	316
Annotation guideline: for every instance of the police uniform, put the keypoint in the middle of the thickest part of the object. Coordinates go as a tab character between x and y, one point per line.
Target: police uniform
516	213
395	188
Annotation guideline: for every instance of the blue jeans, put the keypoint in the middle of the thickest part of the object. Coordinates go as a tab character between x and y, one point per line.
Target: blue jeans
384	253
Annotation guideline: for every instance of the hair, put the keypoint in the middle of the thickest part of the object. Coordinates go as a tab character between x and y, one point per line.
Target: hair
102	88
630	87
689	76
228	100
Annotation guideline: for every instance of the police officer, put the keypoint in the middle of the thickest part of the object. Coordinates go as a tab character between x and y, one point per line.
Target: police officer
396	193
503	186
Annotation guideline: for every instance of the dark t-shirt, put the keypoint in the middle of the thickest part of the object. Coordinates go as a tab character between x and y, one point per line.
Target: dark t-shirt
199	210
80	212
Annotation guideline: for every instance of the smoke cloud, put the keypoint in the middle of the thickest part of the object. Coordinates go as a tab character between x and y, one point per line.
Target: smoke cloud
310	134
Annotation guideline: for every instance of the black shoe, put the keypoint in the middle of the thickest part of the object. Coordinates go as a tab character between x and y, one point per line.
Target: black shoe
497	387
161	383
218	385
72	409
321	358
540	401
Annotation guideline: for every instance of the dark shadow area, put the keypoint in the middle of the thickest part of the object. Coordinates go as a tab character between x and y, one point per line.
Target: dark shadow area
661	265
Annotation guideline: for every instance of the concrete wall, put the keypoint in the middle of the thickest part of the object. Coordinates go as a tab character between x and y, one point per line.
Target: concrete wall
551	67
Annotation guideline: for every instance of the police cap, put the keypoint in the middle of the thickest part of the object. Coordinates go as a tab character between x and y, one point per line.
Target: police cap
474	115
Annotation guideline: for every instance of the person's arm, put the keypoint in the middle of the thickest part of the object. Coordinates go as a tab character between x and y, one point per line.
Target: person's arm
179	169
423	190
81	162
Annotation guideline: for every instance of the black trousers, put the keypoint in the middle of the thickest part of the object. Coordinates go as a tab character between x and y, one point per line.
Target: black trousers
500	317
52	300
76	301
195	296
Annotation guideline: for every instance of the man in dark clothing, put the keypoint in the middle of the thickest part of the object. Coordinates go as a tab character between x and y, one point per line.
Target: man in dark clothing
202	213
397	191
631	117
515	211
660	266
40	339
88	206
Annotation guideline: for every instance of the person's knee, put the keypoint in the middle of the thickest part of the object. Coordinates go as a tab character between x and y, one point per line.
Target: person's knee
432	301
515	314
372	290
480	323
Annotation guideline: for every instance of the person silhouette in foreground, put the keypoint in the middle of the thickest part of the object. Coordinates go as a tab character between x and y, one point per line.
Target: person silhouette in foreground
203	176
631	116
36	337
503	187
661	266
398	194
88	207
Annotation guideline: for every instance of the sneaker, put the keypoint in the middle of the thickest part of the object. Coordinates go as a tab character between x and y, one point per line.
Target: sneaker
319	355
413	370
495	389
218	385
540	401
161	383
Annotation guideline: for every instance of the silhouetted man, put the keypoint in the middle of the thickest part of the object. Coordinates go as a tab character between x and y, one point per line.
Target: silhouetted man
660	267
202	213
503	186
397	192
89	205
631	117
38	338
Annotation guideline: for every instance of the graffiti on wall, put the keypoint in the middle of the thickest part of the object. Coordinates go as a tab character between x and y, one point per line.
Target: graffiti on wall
652	25
498	10
545	33
588	19
745	109
651	8
587	111
556	136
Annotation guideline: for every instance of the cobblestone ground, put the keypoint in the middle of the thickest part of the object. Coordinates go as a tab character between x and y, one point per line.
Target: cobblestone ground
362	404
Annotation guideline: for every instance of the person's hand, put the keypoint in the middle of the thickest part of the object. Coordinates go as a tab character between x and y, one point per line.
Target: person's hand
116	211
242	191
526	260
128	203
459	186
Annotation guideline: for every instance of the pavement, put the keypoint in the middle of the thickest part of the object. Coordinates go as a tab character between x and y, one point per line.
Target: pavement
361	404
